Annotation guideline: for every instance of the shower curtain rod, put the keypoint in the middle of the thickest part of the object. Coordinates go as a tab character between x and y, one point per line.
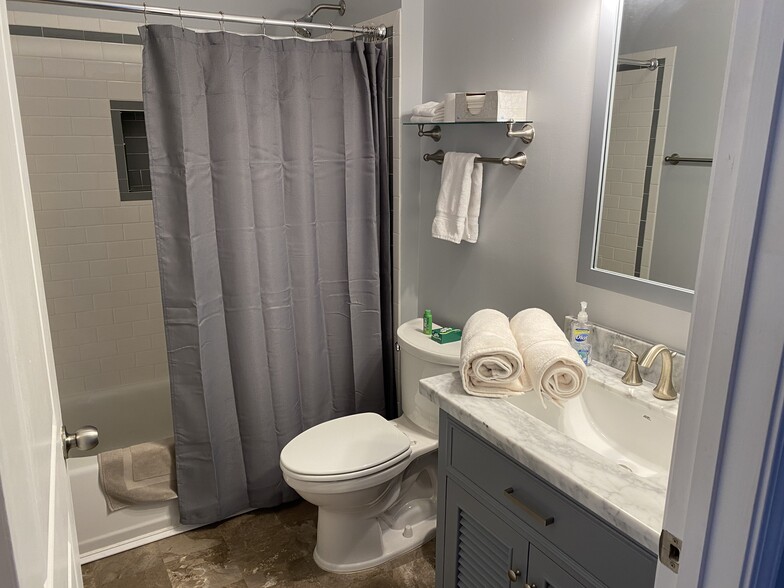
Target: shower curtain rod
220	17
650	64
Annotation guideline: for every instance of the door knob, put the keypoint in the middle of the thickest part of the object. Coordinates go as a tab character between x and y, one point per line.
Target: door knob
85	438
513	575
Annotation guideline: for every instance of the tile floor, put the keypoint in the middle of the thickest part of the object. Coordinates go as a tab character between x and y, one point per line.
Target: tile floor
264	548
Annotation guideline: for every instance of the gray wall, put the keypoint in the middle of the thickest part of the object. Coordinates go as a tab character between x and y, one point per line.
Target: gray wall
356	11
285	9
700	29
530	222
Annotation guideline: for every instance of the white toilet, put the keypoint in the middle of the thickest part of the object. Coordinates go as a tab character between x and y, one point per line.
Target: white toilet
374	480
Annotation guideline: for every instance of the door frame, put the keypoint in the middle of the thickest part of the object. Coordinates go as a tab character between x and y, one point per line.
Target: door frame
37	532
728	462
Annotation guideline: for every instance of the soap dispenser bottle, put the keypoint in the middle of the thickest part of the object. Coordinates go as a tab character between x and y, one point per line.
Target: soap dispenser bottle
581	334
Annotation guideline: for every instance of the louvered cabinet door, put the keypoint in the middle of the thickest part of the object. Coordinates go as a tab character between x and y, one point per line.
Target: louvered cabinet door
480	550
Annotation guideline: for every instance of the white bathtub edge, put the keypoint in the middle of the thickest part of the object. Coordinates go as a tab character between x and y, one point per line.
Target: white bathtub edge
121	546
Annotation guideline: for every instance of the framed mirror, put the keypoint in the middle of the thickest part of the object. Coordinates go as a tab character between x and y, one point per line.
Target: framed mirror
657	94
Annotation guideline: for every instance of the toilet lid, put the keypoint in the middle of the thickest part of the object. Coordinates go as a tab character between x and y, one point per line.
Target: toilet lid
349	444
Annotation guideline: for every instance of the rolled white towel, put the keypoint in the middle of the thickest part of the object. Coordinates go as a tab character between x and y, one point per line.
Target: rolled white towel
490	364
550	365
428	109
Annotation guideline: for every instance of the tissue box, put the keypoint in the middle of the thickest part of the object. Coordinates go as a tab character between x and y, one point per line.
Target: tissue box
446	335
497	106
449	107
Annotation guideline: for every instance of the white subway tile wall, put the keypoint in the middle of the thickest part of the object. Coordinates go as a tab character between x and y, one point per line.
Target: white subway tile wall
98	254
630	133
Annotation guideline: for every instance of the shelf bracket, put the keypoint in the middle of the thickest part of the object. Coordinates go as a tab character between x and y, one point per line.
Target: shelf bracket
526	133
434	133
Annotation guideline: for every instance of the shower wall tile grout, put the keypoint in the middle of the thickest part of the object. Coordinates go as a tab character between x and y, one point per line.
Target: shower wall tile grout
98	254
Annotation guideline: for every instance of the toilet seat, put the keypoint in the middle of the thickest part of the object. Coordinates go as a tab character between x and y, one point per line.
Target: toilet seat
345	449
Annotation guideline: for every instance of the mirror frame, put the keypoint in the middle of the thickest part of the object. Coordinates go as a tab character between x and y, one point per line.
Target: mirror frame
610	21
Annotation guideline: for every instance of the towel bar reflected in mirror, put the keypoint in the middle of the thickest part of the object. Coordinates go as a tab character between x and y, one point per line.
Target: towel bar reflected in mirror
675	159
517	160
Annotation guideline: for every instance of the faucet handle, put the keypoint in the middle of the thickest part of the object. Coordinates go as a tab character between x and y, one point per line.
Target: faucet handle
632	376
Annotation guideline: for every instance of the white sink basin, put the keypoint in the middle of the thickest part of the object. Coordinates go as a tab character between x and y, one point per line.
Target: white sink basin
618	422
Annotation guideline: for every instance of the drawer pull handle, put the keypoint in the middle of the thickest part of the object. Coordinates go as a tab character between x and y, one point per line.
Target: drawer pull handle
542	520
513	575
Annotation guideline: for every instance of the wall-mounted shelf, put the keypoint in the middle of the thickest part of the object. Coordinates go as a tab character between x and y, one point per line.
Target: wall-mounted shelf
525	132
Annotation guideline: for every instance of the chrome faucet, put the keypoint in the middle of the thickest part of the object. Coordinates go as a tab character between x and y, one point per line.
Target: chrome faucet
664	390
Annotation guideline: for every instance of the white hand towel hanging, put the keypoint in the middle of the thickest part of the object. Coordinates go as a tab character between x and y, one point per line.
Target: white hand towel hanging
460	199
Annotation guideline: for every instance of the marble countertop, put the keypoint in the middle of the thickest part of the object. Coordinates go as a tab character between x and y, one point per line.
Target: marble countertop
632	504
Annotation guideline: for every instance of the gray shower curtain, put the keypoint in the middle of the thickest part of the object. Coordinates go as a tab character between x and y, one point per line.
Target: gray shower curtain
270	190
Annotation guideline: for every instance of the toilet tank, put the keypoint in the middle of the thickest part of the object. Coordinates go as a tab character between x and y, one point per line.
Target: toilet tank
421	357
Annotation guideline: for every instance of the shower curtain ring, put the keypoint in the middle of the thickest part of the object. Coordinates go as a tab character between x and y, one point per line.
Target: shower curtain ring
144	11
222	27
331	32
264	25
179	9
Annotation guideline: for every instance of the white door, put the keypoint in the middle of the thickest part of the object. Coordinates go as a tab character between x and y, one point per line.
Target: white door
726	464
37	534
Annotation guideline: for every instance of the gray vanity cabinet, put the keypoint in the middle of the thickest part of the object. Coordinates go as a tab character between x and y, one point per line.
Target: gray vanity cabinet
500	525
545	573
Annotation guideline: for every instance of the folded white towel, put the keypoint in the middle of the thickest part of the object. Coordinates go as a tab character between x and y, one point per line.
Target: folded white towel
490	364
550	365
460	199
428	109
424	120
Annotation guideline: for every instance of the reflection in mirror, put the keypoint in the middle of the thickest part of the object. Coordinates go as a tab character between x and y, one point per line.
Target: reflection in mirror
667	90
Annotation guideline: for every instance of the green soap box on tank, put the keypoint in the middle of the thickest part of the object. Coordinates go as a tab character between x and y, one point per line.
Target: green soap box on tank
446	335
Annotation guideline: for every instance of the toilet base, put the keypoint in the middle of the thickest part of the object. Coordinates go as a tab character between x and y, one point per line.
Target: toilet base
371	542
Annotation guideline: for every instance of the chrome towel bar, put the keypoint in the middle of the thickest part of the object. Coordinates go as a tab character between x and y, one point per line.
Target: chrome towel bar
675	159
517	160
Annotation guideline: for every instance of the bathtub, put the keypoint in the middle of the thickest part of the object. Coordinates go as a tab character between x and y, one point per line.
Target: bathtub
124	416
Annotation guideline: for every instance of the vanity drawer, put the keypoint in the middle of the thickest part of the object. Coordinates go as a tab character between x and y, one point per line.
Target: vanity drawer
603	551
